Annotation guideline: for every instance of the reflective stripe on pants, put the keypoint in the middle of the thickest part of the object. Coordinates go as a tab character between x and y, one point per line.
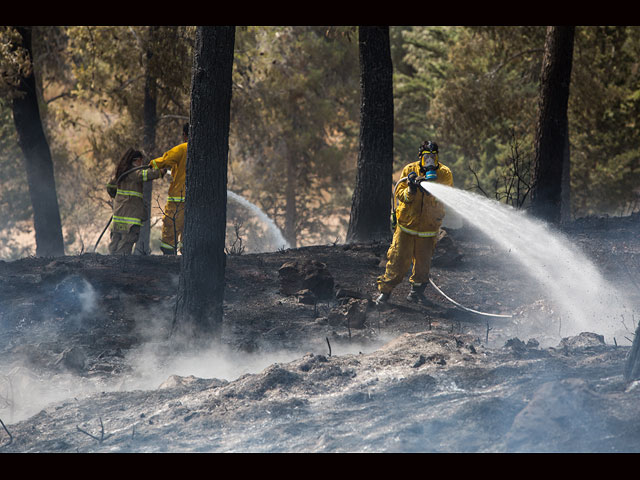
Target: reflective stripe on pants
172	224
406	249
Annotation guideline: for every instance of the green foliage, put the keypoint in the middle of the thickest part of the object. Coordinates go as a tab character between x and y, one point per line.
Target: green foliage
110	64
295	106
489	97
482	100
604	111
295	115
420	56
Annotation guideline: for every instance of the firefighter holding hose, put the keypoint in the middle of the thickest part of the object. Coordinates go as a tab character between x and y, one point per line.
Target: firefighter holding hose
419	216
173	220
129	209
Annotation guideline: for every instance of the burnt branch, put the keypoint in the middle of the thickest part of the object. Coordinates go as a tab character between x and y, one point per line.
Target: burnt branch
98	439
8	433
477	180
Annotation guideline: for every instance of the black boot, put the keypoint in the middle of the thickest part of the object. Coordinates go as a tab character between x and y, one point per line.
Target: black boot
416	294
168	251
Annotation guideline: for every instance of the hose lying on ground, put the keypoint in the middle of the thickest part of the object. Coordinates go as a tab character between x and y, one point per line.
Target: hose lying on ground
465	308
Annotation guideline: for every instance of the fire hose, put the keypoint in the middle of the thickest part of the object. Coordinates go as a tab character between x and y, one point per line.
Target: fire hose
419	180
117	182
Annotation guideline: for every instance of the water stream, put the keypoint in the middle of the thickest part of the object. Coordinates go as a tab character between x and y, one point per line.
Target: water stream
276	240
586	301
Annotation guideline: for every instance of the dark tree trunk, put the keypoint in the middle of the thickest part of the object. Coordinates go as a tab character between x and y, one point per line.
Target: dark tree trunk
566	183
38	161
632	365
200	295
552	128
149	137
371	201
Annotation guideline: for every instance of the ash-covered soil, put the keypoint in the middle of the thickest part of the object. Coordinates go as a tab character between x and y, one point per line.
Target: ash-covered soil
306	363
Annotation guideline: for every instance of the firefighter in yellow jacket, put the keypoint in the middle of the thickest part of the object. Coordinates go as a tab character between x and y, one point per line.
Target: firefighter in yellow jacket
419	216
129	209
173	220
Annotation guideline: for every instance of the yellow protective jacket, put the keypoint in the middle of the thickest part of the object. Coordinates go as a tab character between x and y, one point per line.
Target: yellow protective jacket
128	204
418	213
176	160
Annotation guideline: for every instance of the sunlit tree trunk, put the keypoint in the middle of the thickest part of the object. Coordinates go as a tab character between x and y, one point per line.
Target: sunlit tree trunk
371	197
149	137
37	160
198	313
291	211
552	128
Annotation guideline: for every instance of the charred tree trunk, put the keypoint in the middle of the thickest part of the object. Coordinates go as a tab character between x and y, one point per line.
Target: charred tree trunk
198	313
565	210
150	120
37	160
552	128
632	366
371	197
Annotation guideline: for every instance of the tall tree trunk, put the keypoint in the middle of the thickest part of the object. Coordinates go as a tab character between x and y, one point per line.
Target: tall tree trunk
198	313
632	365
149	137
291	212
37	160
552	128
371	197
565	210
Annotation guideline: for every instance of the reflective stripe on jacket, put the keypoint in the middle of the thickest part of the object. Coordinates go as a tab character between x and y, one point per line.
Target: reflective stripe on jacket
418	213
128	205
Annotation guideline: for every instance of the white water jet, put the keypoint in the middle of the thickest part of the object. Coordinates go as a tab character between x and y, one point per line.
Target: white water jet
277	239
585	299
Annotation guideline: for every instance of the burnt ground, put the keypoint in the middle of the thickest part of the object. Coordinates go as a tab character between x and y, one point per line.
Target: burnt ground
306	362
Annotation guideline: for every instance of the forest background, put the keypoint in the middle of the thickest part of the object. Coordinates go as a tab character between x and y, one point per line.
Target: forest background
295	119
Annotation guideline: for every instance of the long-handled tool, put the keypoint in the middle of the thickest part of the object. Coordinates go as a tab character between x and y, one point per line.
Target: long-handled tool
143	167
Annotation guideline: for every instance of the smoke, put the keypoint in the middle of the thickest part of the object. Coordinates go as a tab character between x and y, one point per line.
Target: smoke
43	370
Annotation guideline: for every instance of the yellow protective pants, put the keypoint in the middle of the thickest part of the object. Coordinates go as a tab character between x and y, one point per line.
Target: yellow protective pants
172	226
405	249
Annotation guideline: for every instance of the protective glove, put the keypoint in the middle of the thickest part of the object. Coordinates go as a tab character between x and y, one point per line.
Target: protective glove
411	180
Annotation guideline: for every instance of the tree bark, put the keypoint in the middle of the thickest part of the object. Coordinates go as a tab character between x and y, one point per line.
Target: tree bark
371	201
632	364
552	127
198	313
37	161
291	211
565	210
150	119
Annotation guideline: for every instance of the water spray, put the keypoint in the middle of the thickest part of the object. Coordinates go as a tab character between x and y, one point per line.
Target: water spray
276	234
420	181
569	278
